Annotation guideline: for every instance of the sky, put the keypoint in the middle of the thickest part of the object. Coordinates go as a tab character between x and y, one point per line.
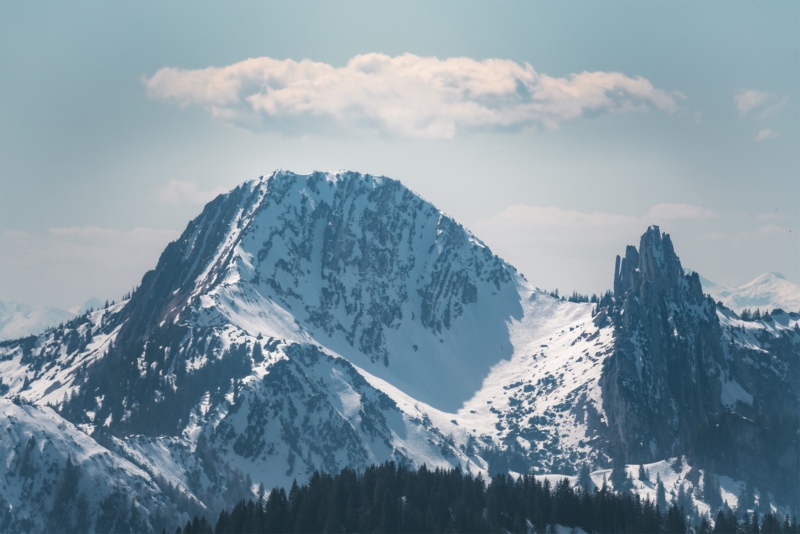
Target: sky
557	132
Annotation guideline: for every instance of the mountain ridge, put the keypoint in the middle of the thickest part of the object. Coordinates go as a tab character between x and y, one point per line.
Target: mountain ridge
766	292
314	322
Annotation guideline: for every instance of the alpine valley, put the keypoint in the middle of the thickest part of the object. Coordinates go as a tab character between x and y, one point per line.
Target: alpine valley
309	323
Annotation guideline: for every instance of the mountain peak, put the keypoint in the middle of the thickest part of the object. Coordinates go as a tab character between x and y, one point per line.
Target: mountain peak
653	267
304	323
354	262
766	292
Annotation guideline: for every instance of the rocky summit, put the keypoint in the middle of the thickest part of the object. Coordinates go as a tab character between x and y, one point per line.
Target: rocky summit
308	323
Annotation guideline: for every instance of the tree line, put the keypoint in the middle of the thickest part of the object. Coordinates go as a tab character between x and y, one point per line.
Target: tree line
391	498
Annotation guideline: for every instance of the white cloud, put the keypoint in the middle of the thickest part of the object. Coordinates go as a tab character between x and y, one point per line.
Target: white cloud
771	216
665	212
570	249
555	247
766	133
543	224
408	95
772	229
64	266
749	99
180	192
773	109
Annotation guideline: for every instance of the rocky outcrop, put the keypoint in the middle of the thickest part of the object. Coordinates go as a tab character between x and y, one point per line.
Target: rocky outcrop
678	370
663	379
313	322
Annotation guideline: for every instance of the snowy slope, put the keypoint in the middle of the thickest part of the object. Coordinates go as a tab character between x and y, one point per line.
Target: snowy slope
684	485
46	368
56	478
313	322
18	320
415	302
767	292
362	319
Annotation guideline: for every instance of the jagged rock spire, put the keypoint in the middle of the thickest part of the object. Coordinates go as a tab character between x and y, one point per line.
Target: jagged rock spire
662	380
654	268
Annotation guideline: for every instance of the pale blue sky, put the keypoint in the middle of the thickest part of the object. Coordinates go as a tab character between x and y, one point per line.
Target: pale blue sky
97	174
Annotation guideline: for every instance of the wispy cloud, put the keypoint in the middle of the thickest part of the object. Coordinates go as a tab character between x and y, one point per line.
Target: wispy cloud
554	246
407	95
65	265
773	109
763	106
665	212
771	216
540	224
181	192
766	133
749	99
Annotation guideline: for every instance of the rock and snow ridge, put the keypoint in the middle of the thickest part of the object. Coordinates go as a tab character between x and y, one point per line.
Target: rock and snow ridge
18	320
767	292
318	321
58	479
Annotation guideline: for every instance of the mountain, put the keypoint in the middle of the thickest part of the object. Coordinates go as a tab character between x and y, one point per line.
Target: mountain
315	322
767	292
688	376
58	479
18	320
92	303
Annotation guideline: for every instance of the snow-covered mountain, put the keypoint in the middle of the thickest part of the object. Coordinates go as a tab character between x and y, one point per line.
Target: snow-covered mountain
58	479
767	292
18	320
313	322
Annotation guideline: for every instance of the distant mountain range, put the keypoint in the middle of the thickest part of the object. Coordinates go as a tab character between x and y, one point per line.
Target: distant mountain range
767	292
306	323
19	320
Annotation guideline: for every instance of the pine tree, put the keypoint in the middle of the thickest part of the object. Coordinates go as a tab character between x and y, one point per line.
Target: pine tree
746	499
661	495
675	522
764	504
585	478
619	474
258	353
725	523
643	474
712	494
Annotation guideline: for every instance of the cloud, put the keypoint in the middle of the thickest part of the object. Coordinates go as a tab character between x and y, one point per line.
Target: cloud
575	250
771	216
749	99
773	109
180	192
407	95
766	133
543	224
665	212
64	266
557	247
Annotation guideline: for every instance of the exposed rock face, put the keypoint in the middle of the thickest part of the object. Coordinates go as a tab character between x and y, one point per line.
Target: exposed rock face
307	322
352	257
663	380
680	364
